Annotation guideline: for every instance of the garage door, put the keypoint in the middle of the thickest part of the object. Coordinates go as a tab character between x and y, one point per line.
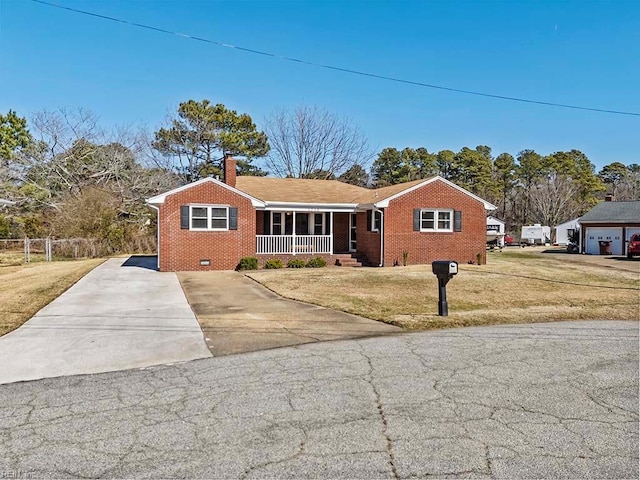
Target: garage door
631	231
610	234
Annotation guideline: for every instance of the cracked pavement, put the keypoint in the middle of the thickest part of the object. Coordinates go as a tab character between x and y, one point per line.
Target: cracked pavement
553	400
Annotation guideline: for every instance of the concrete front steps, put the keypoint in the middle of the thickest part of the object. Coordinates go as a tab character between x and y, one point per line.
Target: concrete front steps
349	260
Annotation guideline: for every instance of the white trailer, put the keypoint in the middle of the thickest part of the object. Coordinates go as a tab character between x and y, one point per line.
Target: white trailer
495	231
536	234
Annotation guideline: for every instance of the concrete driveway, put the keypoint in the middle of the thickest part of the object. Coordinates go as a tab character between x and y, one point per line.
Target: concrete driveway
239	315
544	401
121	315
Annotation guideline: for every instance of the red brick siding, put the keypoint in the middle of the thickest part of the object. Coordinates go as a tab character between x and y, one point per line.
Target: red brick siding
340	232
368	243
259	222
425	247
230	170
182	250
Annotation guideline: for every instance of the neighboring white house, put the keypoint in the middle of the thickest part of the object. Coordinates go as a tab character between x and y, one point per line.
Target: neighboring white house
565	231
495	231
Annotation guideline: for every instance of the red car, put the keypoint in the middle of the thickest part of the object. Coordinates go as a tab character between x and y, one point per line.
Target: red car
634	245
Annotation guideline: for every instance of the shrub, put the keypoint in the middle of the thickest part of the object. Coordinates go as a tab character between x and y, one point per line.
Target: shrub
317	262
247	263
295	263
274	263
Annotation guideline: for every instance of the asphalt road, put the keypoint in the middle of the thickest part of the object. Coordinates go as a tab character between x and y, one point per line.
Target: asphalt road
527	401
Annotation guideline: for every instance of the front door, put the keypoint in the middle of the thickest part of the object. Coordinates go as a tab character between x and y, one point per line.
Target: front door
352	232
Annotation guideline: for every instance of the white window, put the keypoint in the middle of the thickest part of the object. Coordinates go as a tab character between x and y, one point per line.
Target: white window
376	220
208	217
436	220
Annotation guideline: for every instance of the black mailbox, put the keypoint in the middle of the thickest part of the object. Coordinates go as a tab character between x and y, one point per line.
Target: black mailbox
444	270
444	267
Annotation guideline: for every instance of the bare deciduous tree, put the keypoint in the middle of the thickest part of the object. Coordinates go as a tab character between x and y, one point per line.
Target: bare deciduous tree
554	200
70	157
313	143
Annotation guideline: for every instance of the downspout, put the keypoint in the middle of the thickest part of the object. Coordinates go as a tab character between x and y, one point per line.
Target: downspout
157	209
381	235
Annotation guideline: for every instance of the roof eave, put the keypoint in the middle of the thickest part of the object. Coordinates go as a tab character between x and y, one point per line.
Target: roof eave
582	221
384	203
160	199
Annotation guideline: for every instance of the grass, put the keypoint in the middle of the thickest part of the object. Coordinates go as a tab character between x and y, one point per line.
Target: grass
513	288
26	288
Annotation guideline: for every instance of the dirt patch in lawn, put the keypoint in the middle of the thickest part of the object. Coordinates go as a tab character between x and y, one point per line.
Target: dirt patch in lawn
512	288
25	289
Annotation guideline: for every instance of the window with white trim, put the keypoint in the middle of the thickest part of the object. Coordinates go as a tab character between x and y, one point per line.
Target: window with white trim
436	220
208	217
376	220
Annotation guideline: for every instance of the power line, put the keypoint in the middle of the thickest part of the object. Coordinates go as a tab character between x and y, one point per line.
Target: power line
339	69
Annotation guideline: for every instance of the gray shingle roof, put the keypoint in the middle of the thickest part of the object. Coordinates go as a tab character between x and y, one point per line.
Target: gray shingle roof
615	212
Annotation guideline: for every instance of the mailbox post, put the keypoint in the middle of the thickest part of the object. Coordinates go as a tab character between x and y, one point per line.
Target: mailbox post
444	270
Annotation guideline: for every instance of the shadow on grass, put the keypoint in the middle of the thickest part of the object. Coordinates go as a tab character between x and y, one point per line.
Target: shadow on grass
624	259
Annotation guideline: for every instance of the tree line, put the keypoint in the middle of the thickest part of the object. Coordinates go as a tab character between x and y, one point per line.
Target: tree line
528	188
69	177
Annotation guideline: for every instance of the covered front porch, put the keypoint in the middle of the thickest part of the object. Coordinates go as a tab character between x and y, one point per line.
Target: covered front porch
309	232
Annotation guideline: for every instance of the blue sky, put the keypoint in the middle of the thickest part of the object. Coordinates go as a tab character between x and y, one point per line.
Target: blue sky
582	53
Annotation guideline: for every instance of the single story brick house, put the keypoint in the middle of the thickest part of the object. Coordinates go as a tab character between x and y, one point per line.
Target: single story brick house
607	227
211	224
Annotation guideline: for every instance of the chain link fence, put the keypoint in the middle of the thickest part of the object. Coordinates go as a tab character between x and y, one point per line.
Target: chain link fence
49	249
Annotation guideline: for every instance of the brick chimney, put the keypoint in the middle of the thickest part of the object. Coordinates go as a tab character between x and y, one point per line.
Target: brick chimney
609	197
229	170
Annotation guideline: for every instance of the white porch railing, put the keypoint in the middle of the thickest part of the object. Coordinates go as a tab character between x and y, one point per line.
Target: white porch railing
293	244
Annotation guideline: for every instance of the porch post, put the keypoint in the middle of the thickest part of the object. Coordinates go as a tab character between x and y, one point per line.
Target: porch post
331	234
293	237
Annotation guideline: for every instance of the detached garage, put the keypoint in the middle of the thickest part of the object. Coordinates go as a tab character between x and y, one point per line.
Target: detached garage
607	227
